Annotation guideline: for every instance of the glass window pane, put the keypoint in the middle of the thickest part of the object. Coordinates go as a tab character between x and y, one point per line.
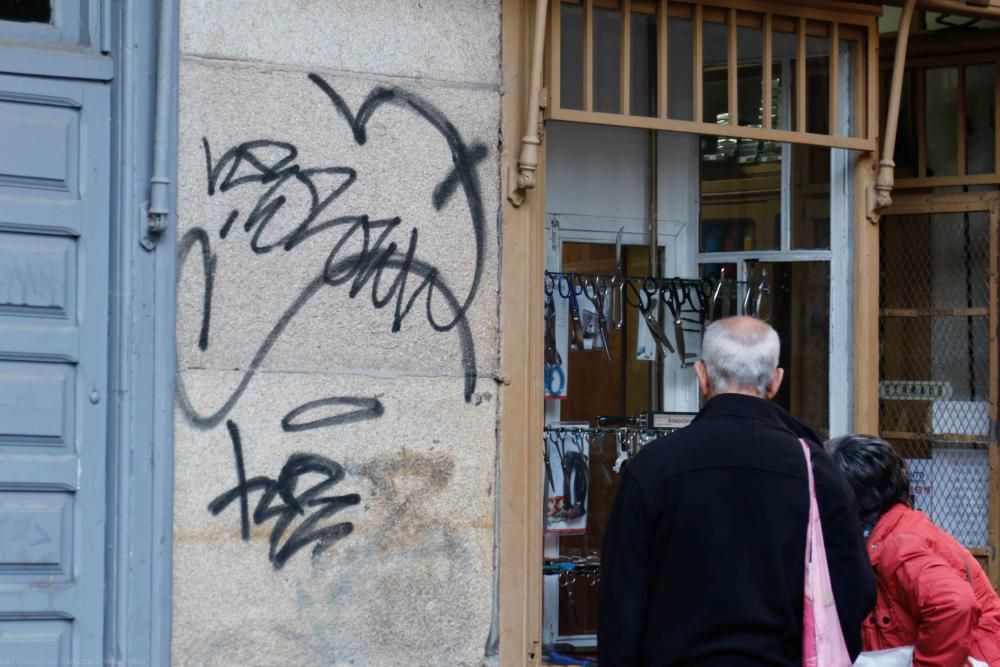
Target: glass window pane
749	46
642	88
740	195
607	59
848	124
783	57
716	85
907	144
818	80
942	132
26	11
680	64
800	312
571	56
810	209
980	133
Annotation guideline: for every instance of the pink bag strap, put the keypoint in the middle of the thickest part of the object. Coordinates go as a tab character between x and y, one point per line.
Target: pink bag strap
809	472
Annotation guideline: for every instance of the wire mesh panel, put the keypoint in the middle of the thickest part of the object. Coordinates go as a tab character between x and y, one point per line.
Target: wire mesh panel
936	343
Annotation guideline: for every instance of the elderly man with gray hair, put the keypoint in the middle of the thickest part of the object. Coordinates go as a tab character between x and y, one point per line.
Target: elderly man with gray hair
704	552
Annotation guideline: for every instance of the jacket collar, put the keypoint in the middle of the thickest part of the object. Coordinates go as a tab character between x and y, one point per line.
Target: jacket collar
750	407
884	528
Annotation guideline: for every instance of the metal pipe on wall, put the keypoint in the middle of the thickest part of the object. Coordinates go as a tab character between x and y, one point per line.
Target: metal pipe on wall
105	26
886	166
159	182
527	163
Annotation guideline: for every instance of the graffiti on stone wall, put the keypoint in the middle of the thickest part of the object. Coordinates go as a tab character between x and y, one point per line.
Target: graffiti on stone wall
376	258
310	503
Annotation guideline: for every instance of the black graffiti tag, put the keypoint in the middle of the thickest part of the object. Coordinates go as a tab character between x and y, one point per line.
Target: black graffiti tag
310	503
388	268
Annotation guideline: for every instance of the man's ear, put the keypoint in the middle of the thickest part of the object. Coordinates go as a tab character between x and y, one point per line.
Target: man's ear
772	389
704	384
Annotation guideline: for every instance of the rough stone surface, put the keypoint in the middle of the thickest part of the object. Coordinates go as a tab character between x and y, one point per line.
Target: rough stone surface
411	584
329	315
436	39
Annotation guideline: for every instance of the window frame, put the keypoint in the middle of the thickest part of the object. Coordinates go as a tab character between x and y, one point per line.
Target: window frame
852	24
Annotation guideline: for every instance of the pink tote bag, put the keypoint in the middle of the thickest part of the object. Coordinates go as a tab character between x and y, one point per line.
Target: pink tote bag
823	642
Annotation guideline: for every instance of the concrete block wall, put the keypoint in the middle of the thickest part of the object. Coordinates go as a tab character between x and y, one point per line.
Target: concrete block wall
337	332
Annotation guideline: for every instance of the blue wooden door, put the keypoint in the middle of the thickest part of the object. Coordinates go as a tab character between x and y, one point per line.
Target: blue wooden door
54	258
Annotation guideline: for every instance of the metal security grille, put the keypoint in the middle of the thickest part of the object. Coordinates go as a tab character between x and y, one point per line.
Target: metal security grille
938	359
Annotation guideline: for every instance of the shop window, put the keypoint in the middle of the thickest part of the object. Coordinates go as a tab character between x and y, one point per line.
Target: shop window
947	136
758	224
747	193
26	11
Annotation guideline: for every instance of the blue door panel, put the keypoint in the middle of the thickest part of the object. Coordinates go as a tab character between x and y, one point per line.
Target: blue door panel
54	254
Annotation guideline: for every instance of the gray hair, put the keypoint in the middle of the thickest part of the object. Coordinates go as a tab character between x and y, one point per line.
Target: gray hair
740	353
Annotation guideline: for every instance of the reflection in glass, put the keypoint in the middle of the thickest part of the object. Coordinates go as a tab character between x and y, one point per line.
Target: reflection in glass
26	11
942	133
680	80
810	212
607	60
907	143
848	124
818	91
749	49
642	88
740	195
980	137
800	312
715	77
571	56
783	57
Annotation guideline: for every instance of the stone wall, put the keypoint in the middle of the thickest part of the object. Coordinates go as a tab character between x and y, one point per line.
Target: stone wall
337	332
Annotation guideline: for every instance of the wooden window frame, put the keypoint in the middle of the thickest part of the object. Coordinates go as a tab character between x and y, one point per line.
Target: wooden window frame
919	65
850	22
520	467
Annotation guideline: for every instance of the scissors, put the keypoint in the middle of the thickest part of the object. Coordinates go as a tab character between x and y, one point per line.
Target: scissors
548	464
570	287
620	449
763	292
649	289
675	289
555	377
596	290
618	285
748	300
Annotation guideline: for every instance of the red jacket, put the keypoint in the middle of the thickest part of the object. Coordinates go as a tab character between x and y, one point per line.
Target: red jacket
932	594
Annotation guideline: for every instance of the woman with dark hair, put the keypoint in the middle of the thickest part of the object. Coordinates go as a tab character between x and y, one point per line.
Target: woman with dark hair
932	594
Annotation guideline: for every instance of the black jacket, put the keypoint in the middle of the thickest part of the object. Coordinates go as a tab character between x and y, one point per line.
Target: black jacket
705	549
